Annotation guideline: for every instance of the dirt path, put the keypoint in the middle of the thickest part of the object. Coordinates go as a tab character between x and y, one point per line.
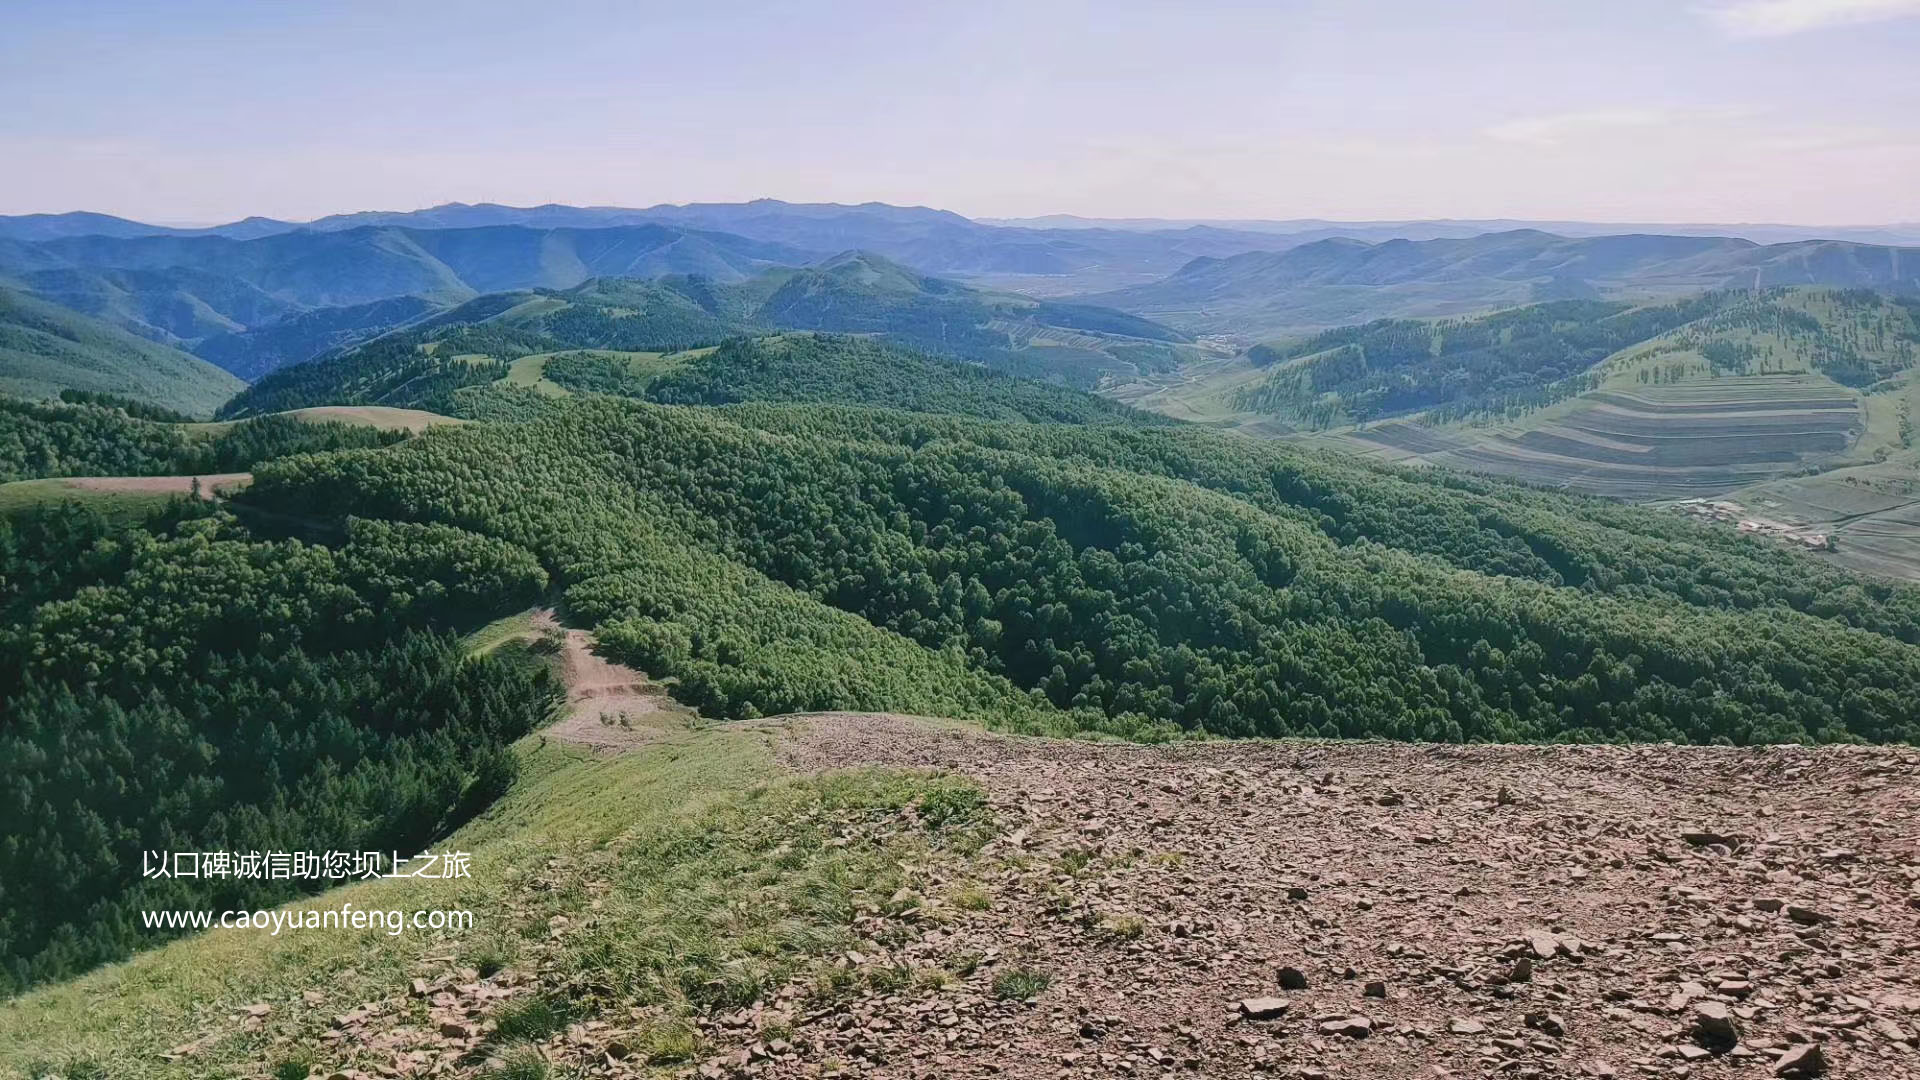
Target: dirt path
1449	911
210	483
611	707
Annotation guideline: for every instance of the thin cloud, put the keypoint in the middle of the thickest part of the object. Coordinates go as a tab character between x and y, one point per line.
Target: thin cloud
1557	128
1778	18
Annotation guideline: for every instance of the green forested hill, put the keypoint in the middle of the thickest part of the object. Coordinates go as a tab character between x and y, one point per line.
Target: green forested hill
187	685
457	373
1141	580
768	556
40	440
856	293
45	349
1530	356
846	370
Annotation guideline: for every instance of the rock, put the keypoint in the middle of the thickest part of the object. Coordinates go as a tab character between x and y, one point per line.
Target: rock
1263	1008
1600	1070
1805	916
1547	1024
1461	1026
1891	1031
1714	1021
1292	978
256	1010
1353	1027
1708	838
1543	943
1376	988
1689	991
1801	1061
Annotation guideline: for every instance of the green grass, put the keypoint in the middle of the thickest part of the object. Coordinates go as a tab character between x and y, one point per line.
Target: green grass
500	631
649	852
531	372
1019	983
532	1019
126	506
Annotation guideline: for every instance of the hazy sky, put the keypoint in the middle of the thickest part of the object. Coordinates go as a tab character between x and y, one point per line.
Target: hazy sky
1640	110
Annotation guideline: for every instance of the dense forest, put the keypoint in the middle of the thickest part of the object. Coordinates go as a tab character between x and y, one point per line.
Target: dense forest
95	435
184	685
1140	580
785	367
859	371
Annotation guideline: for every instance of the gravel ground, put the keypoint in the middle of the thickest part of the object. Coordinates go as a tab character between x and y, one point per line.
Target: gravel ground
1386	910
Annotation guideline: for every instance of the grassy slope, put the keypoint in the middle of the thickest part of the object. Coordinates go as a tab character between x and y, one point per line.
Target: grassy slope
45	349
645	852
128	506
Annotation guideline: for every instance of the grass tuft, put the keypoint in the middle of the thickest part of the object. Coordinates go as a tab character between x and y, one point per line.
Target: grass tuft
1020	983
525	1064
532	1019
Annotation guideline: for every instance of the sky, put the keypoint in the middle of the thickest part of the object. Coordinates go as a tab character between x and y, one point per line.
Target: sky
199	111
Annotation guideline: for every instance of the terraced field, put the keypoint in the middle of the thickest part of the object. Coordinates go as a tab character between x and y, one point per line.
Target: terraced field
1675	440
1871	512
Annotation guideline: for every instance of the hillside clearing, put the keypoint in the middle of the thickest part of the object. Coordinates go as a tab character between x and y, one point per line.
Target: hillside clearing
123	497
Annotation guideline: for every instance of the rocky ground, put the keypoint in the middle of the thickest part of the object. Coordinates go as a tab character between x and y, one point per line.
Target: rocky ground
1313	911
1378	910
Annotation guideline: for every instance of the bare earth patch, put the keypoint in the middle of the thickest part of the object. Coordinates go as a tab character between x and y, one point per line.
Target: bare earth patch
610	707
1381	910
211	484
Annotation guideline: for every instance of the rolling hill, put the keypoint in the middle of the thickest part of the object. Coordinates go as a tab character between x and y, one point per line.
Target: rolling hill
855	293
1337	282
253	305
45	348
1693	399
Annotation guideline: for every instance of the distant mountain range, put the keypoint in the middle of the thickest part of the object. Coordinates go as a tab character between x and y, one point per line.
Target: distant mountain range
1337	282
257	294
874	225
932	241
1306	230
